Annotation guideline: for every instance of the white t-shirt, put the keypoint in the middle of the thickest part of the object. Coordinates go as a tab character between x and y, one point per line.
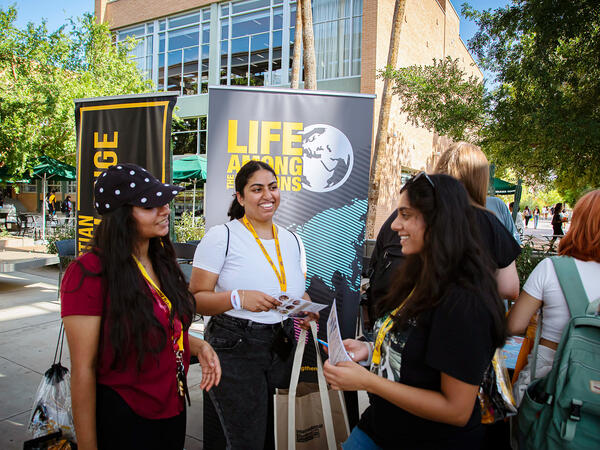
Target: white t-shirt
543	285
245	266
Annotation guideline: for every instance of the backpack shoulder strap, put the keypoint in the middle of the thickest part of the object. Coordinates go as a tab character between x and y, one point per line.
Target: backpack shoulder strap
571	285
227	247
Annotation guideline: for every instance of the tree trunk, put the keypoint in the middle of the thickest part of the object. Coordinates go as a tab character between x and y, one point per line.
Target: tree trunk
296	61
384	117
308	39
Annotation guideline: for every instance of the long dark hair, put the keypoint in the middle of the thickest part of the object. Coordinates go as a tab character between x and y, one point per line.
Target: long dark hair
132	323
452	255
236	211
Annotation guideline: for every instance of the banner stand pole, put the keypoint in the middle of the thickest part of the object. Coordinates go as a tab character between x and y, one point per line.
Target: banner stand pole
44	208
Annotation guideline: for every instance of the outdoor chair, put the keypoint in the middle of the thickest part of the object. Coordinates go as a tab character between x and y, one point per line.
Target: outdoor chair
26	223
66	251
185	255
184	251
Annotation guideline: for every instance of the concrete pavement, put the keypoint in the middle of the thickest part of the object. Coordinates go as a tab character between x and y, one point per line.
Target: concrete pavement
29	326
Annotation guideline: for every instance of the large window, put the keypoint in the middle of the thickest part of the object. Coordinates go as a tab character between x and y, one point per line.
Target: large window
176	51
251	38
188	136
254	41
338	32
142	53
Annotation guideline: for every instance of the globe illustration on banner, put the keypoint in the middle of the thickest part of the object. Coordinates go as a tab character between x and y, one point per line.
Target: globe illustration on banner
327	158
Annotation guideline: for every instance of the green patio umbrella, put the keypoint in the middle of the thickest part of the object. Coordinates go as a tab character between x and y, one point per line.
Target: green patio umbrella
190	168
502	187
51	169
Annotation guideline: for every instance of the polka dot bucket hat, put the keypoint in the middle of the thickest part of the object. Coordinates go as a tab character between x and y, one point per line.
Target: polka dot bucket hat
130	184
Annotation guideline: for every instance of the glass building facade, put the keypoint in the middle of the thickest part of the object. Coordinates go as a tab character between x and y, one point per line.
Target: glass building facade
255	40
246	42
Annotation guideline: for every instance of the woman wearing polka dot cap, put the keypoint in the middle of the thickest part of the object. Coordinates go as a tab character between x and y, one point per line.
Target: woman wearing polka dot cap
126	311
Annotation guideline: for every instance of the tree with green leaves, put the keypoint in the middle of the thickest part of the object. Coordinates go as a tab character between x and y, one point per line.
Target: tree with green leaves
441	97
545	115
42	72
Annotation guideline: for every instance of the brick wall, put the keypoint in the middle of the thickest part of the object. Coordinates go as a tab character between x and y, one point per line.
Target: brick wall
121	13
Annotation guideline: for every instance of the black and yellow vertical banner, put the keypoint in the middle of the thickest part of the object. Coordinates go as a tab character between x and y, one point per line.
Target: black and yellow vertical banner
111	130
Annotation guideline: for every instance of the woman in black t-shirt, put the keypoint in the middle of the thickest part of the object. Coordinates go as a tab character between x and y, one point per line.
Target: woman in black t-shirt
436	330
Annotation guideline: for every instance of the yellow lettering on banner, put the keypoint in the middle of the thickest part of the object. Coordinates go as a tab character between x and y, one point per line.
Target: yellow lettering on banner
296	184
232	146
285	183
246	158
88	232
253	136
289	138
86	221
266	137
296	166
234	164
281	165
106	143
269	160
82	245
109	158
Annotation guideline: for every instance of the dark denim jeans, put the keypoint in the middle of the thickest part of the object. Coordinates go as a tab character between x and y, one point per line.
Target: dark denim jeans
251	372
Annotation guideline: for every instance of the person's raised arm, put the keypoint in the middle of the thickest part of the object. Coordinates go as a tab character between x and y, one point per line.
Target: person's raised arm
521	312
83	335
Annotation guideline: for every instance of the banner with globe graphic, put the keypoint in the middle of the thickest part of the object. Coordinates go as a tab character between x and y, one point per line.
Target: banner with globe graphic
319	144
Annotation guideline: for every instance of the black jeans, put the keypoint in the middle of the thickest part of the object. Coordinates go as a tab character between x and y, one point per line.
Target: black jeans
118	427
251	372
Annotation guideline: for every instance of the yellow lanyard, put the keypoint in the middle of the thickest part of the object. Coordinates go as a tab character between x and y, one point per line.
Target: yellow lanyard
279	273
384	330
162	296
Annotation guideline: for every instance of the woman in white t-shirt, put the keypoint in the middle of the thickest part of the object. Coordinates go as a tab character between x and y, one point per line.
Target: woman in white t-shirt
542	289
240	270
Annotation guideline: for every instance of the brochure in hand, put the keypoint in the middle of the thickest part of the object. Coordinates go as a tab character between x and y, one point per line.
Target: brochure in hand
337	351
296	307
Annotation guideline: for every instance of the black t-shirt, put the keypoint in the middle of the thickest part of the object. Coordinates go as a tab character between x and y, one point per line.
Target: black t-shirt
454	338
501	246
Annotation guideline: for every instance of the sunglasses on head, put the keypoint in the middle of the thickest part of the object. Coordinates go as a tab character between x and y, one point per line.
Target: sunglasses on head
419	176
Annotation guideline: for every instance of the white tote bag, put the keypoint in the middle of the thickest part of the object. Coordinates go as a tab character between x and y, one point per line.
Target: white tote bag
312	414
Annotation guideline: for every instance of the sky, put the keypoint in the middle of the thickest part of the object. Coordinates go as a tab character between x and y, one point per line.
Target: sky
58	11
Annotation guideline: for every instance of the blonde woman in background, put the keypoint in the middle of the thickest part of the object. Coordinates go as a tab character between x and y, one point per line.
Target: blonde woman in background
467	163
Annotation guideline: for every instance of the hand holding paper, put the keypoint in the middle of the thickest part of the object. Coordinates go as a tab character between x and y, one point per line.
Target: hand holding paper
337	352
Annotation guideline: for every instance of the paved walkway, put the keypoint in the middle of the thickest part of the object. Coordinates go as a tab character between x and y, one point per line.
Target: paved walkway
29	325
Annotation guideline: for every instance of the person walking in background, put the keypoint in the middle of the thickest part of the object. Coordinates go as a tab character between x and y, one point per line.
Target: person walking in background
519	220
542	289
545	212
126	310
67	206
436	330
557	221
52	203
526	215
536	217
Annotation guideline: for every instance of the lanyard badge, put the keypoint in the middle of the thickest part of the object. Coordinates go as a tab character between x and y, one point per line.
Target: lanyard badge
279	273
180	378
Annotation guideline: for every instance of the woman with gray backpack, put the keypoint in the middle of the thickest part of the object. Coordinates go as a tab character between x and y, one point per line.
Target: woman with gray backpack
561	405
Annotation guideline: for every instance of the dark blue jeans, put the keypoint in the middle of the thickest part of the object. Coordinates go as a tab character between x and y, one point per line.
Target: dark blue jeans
251	372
